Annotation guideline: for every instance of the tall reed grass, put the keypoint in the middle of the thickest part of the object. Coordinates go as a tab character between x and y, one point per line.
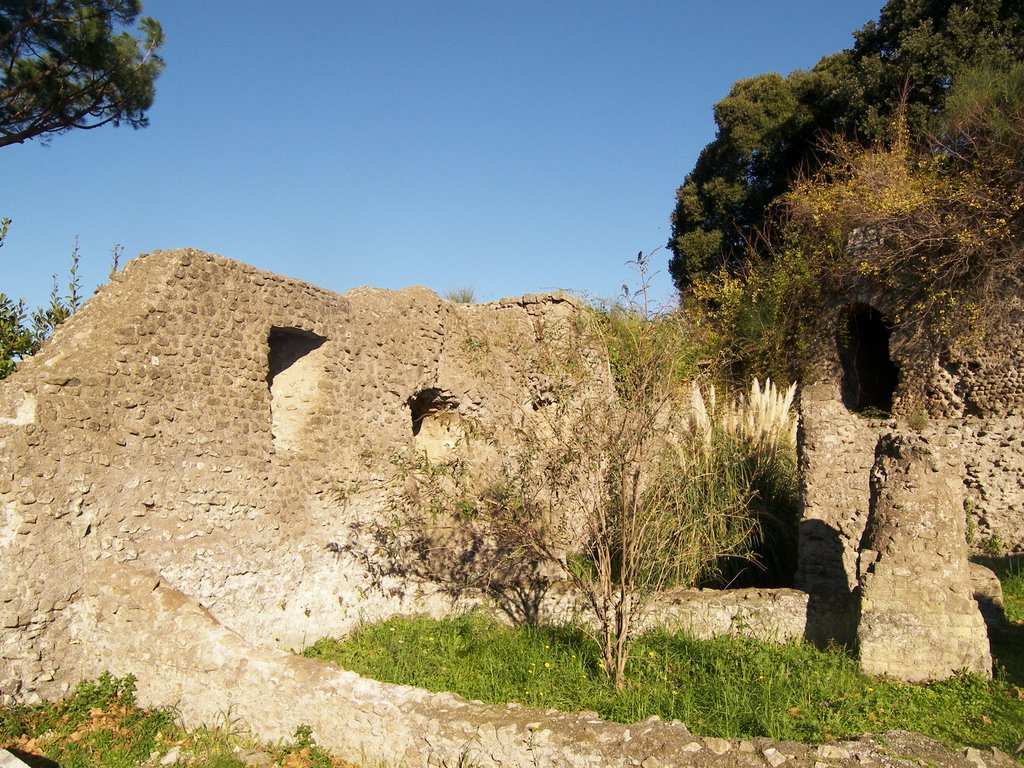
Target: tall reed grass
749	447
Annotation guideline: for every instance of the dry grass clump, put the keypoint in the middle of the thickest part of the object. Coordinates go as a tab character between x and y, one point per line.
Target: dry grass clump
763	416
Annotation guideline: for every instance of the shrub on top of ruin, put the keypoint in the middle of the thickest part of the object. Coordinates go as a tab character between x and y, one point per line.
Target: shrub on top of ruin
941	231
462	295
16	340
917	419
760	321
933	228
22	333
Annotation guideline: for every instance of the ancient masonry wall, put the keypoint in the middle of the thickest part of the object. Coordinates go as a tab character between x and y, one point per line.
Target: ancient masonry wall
918	619
970	412
226	427
240	434
236	434
183	657
836	450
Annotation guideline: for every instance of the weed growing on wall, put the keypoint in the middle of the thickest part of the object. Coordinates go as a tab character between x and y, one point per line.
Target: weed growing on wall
463	294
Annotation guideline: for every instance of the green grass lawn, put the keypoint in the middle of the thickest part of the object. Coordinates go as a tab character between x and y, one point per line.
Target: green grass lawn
1010	570
730	687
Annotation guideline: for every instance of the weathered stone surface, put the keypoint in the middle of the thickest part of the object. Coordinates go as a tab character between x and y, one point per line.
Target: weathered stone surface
129	620
988	594
236	432
231	429
919	620
969	411
191	468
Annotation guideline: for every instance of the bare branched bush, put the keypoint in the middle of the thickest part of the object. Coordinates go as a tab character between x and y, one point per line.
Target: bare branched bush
622	493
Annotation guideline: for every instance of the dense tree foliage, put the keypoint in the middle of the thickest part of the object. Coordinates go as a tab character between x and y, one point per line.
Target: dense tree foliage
65	65
15	336
770	128
934	227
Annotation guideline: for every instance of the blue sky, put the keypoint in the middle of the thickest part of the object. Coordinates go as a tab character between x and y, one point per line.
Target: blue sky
510	147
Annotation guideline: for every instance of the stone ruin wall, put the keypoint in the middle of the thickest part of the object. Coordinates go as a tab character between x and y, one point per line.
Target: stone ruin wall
970	415
918	619
225	427
238	434
226	430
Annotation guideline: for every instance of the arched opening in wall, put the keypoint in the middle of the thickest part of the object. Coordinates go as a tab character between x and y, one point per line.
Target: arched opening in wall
293	375
437	427
869	375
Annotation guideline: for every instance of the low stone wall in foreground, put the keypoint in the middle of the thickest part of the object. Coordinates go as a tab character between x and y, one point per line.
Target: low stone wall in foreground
128	621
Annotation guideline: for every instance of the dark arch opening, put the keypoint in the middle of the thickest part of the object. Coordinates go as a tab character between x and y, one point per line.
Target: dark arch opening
428	402
287	346
869	375
293	377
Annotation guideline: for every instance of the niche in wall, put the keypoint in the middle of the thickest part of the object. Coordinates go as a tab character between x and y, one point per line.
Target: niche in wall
437	427
869	375
293	376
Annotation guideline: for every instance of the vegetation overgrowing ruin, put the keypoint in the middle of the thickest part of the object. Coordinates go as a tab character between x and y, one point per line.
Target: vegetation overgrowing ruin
209	466
207	483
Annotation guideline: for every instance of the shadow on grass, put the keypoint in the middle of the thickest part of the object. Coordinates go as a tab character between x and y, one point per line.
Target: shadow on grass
34	761
1008	654
1007	635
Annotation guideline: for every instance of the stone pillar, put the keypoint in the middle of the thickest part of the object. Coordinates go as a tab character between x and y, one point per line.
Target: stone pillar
836	451
918	620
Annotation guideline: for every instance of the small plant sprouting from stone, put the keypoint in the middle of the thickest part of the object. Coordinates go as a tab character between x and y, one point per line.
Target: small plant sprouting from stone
116	251
462	295
344	491
873	412
917	420
993	546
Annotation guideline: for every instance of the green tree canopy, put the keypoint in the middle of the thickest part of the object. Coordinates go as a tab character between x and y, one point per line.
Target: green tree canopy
68	64
932	229
770	127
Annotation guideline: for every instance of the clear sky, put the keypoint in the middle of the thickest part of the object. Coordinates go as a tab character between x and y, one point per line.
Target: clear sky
511	147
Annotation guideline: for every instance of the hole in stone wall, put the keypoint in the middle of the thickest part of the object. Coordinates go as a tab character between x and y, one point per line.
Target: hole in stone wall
437	427
292	376
287	346
869	375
